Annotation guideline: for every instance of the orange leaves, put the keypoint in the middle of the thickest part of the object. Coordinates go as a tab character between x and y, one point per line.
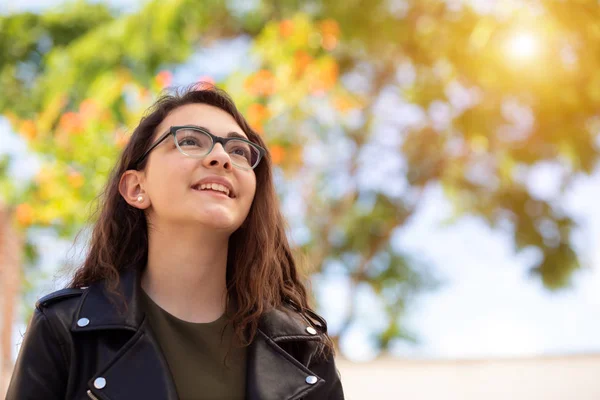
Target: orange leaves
163	79
71	122
143	94
301	61
277	154
343	103
295	59
286	28
261	83
28	129
75	123
75	179
257	115
330	34
328	30
88	109
24	214
47	182
286	155
323	76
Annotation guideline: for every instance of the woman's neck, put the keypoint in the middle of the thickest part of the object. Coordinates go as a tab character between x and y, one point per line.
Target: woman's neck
186	272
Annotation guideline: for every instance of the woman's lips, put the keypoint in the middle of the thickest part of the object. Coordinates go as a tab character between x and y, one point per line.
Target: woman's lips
213	192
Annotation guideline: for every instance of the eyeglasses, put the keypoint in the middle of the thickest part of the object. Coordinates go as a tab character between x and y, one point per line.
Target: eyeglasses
197	142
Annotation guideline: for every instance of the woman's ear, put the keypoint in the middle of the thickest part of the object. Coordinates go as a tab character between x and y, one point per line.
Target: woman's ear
130	187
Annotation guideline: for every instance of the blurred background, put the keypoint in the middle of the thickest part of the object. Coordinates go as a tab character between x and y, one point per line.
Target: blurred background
437	162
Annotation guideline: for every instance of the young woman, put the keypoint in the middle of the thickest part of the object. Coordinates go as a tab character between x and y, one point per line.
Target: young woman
189	290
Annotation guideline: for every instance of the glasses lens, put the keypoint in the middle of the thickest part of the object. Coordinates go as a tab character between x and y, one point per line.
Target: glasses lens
197	143
243	154
193	142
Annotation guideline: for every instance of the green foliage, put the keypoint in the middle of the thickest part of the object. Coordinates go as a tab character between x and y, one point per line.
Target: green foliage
7	189
76	80
27	39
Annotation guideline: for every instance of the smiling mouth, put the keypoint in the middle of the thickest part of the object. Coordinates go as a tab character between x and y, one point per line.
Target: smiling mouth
206	188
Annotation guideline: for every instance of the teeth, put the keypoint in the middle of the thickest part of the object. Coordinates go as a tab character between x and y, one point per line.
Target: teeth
214	186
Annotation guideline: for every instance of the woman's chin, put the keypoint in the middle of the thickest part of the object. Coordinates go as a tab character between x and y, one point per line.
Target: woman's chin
219	222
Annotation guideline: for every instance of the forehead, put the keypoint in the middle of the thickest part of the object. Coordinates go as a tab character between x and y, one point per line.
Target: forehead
217	121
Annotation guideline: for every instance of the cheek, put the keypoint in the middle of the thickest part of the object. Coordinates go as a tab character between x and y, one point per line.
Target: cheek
168	179
251	188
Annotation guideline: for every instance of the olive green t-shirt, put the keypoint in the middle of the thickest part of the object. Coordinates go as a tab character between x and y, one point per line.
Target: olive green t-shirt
196	355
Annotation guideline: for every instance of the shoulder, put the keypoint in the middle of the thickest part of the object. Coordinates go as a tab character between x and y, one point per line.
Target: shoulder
288	322
53	315
61	302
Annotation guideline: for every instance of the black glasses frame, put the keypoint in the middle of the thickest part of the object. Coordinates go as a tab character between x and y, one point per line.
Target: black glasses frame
215	139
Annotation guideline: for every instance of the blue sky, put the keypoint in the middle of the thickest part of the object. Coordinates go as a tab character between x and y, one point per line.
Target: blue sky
490	305
487	305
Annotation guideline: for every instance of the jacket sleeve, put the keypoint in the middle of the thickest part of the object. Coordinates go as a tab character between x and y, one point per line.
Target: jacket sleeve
327	370
41	368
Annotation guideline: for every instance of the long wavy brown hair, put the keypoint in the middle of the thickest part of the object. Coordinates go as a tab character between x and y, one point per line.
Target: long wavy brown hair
261	271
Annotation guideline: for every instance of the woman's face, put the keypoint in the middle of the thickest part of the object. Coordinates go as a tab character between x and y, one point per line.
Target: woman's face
171	178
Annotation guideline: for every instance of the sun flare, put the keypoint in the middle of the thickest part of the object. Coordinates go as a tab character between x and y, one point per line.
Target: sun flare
523	46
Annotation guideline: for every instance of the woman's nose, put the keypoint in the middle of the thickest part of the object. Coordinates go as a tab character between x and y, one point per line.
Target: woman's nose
218	157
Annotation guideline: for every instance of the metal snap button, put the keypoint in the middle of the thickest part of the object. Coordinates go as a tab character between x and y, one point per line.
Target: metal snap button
311	330
83	322
311	379
99	383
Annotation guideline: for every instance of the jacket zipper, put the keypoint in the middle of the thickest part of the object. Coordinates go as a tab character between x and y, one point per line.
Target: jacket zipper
91	396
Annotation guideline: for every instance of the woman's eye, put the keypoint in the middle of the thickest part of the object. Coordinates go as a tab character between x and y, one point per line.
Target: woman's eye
240	151
188	142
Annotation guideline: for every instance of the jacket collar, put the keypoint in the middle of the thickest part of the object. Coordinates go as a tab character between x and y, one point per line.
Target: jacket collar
272	373
100	309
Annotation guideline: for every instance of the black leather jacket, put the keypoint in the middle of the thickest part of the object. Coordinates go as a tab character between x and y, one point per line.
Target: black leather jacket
79	346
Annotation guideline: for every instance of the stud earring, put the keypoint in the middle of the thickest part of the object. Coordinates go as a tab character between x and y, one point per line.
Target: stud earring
140	198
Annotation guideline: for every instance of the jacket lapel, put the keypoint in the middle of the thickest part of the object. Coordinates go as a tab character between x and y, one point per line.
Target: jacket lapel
139	369
272	373
103	309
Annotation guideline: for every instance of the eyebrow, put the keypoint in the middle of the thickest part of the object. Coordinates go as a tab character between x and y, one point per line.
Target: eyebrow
229	135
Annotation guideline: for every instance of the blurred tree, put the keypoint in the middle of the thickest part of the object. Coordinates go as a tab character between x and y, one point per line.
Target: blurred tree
364	105
10	278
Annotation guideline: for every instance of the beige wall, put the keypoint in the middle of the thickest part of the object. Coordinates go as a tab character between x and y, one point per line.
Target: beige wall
547	378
